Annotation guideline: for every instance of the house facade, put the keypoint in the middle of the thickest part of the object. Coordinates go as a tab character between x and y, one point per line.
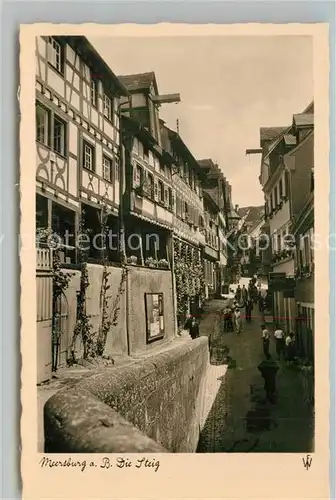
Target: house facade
287	160
78	146
303	231
216	208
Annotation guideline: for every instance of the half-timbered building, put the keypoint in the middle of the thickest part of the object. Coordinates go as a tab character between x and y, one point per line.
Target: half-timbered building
78	146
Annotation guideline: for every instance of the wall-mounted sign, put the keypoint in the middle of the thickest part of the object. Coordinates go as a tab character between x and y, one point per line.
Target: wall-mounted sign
154	316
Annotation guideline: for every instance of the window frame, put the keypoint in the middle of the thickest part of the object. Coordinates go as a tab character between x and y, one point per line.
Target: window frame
138	178
92	148
47	124
109	160
52	46
63	140
107	98
161	191
151	184
94	91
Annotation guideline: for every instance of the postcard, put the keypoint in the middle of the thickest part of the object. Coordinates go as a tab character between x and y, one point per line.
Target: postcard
174	264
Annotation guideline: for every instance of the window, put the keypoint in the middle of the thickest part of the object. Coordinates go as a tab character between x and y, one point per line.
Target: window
107	107
170	198
107	169
117	171
278	242
55	54
42	124
150	179
280	189
286	183
191	178
59	136
276	196
145	152
88	157
161	192
138	175
94	91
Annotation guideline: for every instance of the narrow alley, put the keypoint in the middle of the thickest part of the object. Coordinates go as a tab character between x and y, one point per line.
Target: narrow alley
240	419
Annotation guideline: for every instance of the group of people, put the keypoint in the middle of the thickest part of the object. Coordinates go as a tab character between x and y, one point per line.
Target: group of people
284	345
285	349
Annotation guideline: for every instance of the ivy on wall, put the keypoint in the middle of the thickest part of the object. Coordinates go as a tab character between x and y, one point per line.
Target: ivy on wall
189	276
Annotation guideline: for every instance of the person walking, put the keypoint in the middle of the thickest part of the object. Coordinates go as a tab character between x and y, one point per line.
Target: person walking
279	341
244	294
194	329
248	310
290	347
238	293
268	369
238	321
228	323
265	336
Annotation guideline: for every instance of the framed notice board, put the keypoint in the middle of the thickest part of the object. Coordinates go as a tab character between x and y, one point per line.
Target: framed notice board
154	306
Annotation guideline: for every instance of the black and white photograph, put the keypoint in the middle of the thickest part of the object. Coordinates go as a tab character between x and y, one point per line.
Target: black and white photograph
175	245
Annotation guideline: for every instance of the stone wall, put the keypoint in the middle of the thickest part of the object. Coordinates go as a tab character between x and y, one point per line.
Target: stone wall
156	402
128	336
143	280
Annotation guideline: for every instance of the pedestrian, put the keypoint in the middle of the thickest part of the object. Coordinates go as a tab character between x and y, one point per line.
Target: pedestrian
194	328
279	341
265	340
238	321
290	339
248	310
244	294
227	319
268	369
261	302
238	293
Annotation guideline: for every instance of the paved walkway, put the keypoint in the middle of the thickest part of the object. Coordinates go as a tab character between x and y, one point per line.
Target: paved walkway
240	419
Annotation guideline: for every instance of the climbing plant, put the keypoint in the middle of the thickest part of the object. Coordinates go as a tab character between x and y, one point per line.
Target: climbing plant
189	276
83	327
109	318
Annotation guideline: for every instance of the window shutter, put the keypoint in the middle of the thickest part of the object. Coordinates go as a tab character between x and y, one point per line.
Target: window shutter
156	196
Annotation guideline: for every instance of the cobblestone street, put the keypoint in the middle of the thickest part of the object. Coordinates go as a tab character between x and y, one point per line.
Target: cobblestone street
240	419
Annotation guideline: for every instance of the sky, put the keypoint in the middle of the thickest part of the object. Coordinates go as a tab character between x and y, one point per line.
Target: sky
230	86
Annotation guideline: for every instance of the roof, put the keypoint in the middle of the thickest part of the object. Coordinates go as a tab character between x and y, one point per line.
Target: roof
176	139
212	196
139	81
268	134
252	214
207	163
94	60
303	120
